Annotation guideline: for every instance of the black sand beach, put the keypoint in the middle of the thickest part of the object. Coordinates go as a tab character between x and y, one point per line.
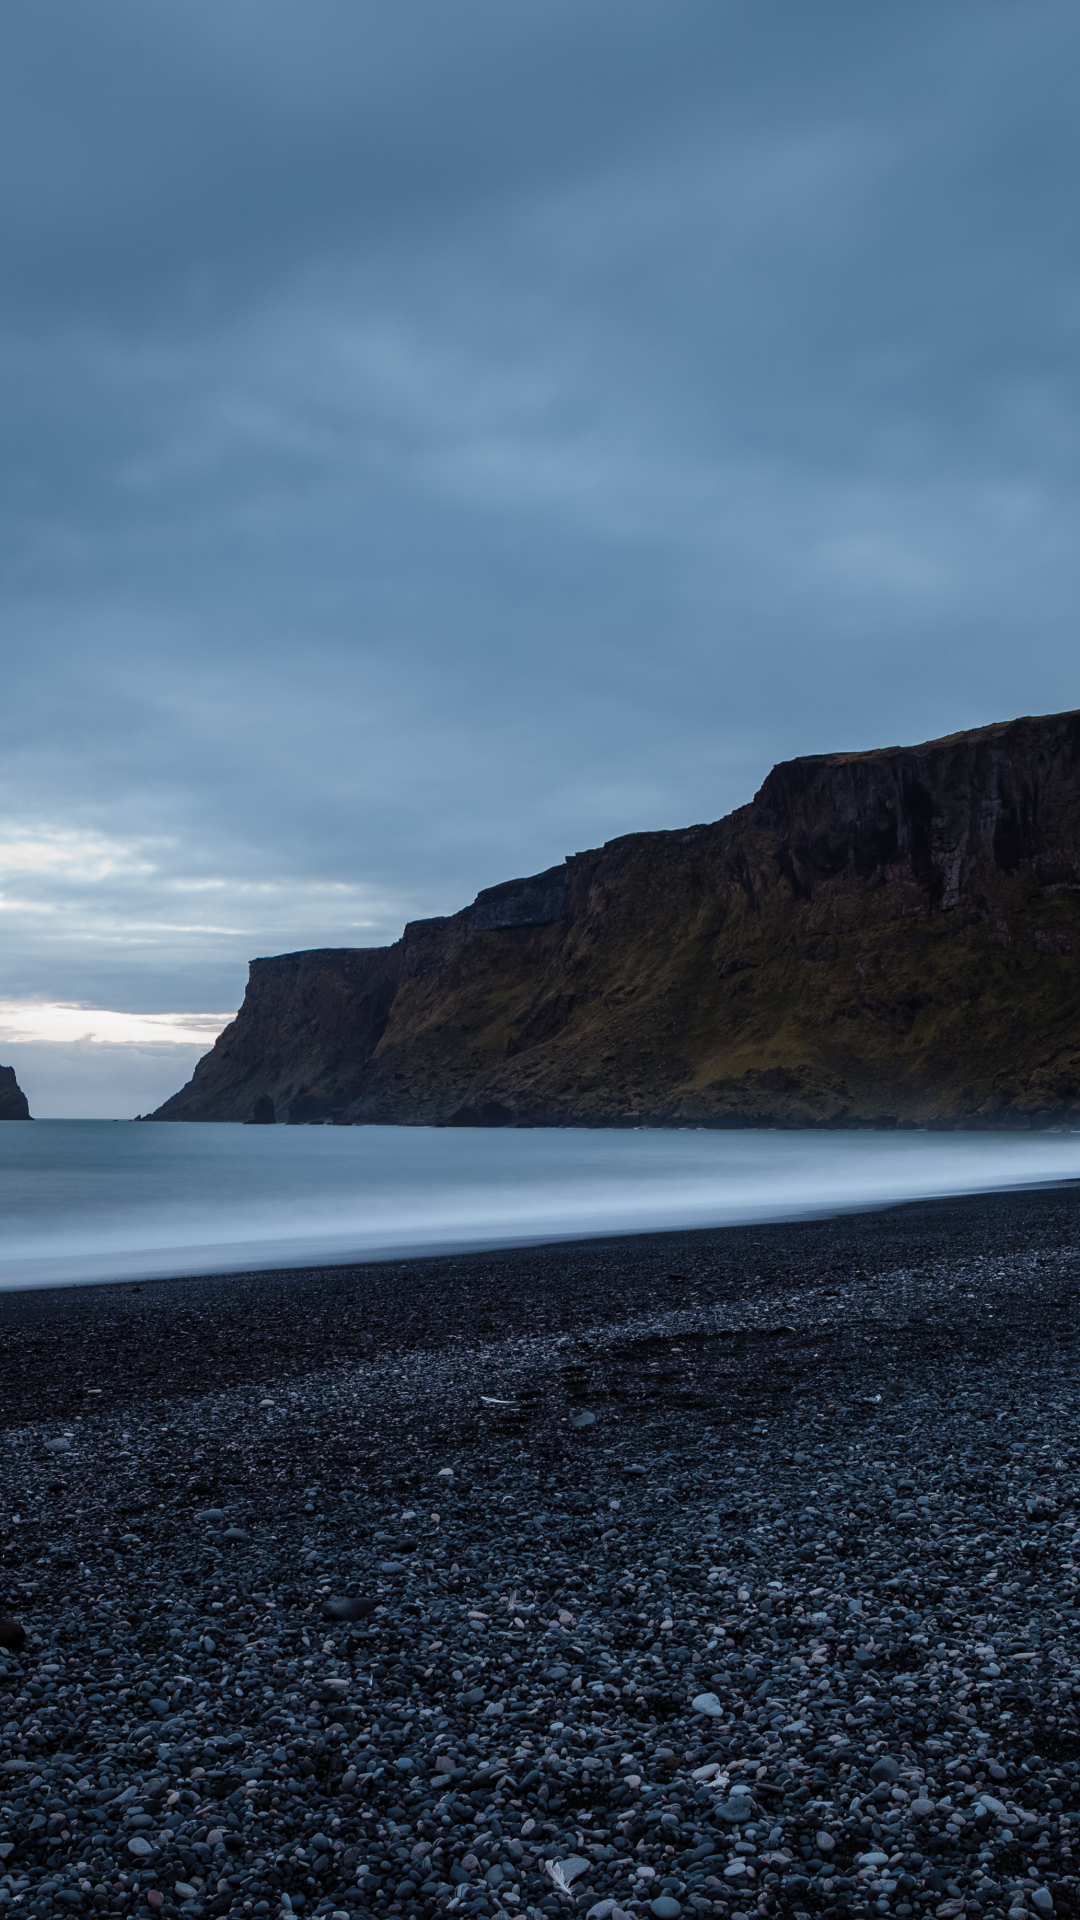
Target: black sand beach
819	1478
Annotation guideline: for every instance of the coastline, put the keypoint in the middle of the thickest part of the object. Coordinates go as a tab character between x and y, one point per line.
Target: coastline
221	1330
138	1204
584	1486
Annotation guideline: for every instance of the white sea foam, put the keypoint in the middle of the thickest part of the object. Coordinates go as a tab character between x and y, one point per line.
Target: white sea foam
93	1200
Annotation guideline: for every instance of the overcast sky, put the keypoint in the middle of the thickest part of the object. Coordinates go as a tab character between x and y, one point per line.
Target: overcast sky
437	438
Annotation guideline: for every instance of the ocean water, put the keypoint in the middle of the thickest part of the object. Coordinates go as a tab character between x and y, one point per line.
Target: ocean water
85	1200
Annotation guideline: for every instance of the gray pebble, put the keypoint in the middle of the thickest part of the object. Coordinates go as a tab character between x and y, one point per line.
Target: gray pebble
348	1609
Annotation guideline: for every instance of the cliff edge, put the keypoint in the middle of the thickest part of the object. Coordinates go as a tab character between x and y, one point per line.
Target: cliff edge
880	938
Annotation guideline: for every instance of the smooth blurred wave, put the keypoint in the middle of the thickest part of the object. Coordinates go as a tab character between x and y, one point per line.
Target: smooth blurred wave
84	1200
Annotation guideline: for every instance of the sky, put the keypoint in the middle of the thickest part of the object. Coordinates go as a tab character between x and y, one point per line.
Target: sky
436	439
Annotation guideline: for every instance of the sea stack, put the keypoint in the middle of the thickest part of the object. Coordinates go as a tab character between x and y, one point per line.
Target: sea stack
13	1101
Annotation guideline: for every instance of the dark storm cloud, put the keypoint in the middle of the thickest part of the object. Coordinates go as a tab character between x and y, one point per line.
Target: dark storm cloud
438	438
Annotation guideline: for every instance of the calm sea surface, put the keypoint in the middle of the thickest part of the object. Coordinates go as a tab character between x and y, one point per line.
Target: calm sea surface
96	1200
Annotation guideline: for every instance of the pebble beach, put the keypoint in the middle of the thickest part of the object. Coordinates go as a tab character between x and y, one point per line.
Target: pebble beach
722	1573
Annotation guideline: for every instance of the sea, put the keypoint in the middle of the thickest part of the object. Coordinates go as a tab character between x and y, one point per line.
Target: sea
85	1200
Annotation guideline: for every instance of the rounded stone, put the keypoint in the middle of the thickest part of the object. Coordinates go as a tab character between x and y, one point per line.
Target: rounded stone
665	1907
344	1609
708	1704
735	1812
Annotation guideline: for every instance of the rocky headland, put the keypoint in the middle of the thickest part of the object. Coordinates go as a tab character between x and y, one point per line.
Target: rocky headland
13	1101
881	938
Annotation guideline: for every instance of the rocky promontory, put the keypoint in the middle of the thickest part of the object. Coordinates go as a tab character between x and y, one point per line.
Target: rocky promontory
13	1101
877	939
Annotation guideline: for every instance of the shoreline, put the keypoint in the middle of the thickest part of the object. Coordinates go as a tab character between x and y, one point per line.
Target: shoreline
597	1278
585	1486
415	1255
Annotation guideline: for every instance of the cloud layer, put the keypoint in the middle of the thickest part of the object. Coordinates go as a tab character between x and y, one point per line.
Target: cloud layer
438	439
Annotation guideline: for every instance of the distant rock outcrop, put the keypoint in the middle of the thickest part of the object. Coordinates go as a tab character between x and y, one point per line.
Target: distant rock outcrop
13	1102
877	939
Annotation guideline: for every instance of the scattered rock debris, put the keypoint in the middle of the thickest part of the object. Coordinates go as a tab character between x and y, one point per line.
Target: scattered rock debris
789	1627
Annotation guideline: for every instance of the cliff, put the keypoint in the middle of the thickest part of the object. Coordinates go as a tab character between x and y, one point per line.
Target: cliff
13	1102
890	937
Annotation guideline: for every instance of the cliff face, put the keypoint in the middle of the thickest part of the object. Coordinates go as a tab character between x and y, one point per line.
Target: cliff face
13	1102
308	1022
878	937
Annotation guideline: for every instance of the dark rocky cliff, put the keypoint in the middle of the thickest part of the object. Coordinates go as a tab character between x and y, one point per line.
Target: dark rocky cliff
877	938
13	1101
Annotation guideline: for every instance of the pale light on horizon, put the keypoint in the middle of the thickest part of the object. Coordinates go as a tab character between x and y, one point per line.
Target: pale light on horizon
63	1023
